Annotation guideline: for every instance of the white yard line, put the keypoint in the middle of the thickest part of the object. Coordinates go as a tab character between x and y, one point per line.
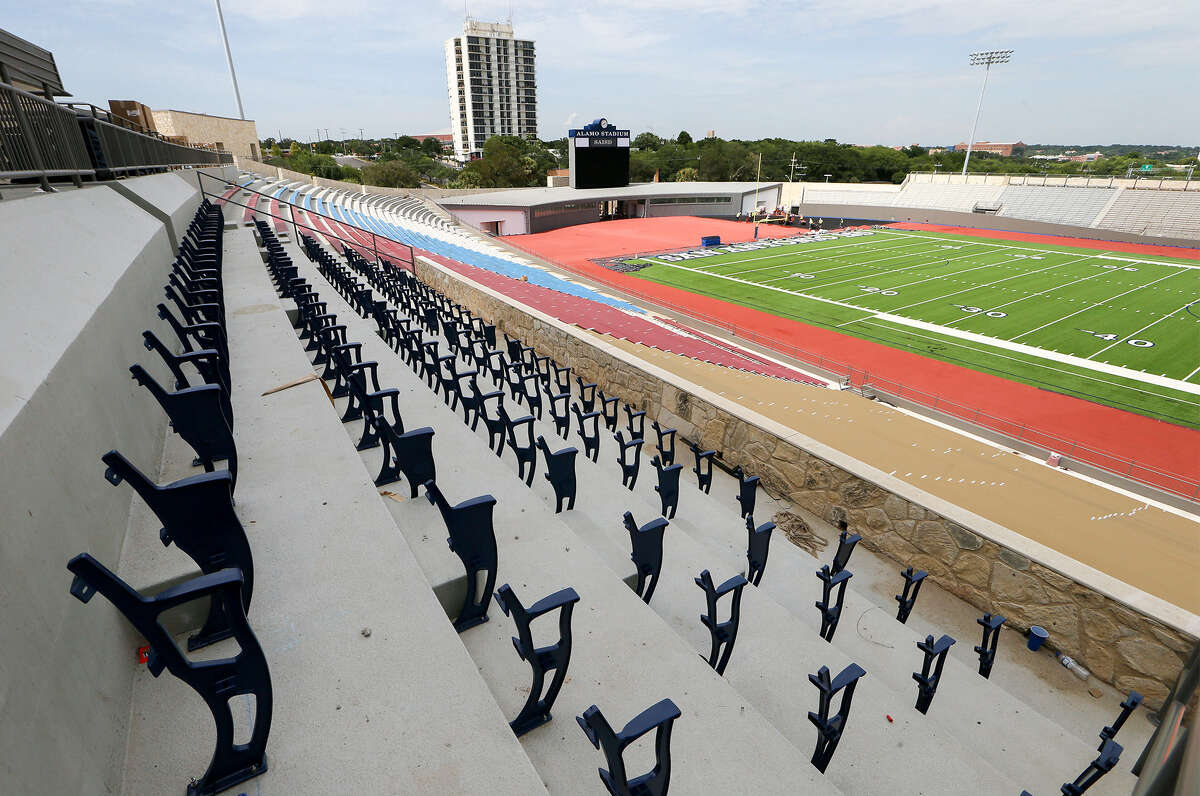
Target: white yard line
1100	255
856	264
793	262
989	284
1144	328
910	267
1040	293
996	342
799	248
1147	262
760	285
1040	365
1193	373
1066	359
1092	307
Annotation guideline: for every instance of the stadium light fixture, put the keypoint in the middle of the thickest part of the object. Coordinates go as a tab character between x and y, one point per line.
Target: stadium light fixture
229	60
985	59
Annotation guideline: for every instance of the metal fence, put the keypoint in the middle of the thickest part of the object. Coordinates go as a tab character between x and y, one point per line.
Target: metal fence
40	139
118	150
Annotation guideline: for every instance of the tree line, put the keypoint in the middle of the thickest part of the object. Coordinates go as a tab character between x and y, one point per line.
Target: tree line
513	162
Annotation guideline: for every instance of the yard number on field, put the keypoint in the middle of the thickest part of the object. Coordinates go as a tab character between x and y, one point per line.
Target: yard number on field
989	313
1111	337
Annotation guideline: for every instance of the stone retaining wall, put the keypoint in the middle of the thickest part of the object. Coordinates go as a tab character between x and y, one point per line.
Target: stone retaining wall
1120	645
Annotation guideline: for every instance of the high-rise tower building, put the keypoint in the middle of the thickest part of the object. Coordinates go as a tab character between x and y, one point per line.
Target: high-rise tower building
492	87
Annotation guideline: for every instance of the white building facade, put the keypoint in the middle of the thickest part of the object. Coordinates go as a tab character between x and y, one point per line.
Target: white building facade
492	86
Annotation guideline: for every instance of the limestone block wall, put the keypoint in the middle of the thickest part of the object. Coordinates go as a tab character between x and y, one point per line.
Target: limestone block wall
1127	647
239	136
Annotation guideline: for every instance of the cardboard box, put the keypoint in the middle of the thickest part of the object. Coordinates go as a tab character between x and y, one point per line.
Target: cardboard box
133	111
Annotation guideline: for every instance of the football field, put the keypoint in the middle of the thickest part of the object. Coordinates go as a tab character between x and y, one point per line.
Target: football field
1117	328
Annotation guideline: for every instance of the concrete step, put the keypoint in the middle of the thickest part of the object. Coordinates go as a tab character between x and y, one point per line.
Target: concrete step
719	524
1048	749
625	658
997	725
351	710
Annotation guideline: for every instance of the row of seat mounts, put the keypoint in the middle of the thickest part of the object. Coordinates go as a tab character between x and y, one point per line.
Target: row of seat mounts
415	321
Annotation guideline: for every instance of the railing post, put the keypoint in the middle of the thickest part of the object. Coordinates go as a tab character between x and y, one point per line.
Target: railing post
35	148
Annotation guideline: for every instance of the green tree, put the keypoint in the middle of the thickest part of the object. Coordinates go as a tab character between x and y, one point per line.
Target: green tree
295	148
686	174
432	147
391	174
647	141
276	152
508	162
683	139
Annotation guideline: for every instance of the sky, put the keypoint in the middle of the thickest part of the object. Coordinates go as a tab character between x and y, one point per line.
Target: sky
860	71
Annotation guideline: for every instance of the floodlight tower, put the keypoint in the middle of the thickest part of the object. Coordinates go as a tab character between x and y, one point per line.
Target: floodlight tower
229	60
984	59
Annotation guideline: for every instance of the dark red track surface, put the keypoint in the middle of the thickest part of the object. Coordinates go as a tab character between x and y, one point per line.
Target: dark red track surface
1125	435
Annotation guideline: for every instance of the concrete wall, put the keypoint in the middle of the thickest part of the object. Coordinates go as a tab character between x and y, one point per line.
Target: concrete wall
512	221
1124	636
82	273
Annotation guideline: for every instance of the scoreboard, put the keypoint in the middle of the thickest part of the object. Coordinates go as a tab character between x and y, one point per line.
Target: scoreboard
599	156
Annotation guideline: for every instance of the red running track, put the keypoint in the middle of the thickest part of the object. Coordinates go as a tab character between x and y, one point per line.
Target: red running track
1112	434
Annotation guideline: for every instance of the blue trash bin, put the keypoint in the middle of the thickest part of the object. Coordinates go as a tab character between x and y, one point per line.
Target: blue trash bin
1037	637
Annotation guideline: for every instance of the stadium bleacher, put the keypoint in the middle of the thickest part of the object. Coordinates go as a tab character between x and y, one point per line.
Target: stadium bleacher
962	198
784	618
1163	211
1146	212
1057	205
408	220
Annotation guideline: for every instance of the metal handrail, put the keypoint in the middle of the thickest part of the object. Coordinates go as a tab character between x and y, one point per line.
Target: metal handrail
1170	762
297	225
41	139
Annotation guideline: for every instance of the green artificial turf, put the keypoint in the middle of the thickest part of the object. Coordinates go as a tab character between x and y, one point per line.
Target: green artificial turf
1129	310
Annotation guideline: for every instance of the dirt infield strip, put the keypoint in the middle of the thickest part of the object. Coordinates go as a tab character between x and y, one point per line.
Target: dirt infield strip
1154	550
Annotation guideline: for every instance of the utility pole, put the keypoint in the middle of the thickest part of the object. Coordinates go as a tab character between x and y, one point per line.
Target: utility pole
757	182
791	174
229	60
